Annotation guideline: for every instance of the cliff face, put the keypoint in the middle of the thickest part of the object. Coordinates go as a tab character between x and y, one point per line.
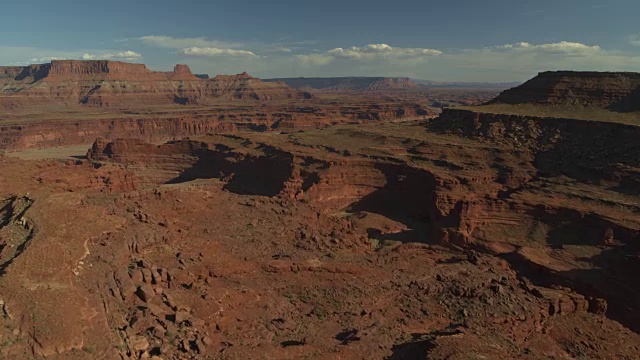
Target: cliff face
348	83
580	149
392	83
10	71
582	174
113	83
616	91
60	132
63	68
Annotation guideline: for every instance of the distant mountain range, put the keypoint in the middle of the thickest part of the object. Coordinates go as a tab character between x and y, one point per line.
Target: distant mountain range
380	83
347	83
466	85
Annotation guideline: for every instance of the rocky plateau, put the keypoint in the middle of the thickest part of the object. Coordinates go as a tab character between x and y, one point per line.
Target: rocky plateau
615	91
309	228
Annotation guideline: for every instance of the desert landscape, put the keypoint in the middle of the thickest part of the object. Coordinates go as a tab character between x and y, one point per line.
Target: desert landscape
163	215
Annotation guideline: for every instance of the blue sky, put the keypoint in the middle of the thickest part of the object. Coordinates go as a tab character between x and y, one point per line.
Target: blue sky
453	40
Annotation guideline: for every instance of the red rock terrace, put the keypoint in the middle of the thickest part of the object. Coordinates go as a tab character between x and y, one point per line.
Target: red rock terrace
114	83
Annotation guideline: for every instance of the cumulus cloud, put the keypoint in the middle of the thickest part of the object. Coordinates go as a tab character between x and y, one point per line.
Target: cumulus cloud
46	59
211	51
121	55
562	47
520	61
381	51
170	42
508	62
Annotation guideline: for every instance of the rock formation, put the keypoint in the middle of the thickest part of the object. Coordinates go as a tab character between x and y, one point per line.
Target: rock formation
616	91
224	119
115	84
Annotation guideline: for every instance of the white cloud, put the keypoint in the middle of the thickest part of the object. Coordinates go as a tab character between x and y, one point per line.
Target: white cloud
564	47
511	62
170	42
523	60
381	51
192	45
209	51
372	53
128	55
315	59
46	59
121	55
26	55
634	40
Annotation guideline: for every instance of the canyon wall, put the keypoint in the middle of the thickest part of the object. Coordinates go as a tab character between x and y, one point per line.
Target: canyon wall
522	187
582	192
49	133
63	68
577	148
616	91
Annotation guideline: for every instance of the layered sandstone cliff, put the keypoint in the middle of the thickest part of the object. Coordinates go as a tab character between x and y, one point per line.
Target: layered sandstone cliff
582	149
583	191
58	131
616	91
113	83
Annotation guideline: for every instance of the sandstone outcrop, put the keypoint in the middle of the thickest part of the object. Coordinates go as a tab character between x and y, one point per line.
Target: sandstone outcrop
116	70
169	123
616	91
42	134
576	160
105	83
582	149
